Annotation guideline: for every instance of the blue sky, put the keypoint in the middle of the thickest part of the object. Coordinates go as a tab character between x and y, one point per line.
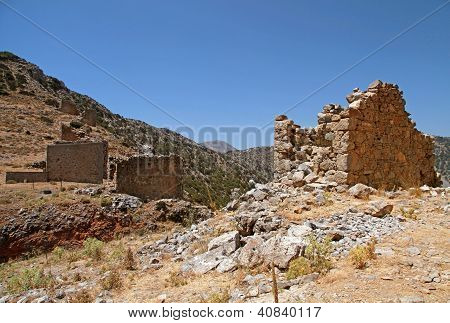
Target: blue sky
237	63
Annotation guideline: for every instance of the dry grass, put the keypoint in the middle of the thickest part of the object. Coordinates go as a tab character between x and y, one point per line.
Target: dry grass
360	255
83	296
112	280
219	297
176	279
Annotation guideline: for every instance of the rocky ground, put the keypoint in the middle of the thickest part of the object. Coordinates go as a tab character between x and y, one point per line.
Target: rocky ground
327	243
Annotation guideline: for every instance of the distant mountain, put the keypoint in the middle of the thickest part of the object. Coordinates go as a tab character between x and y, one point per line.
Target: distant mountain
442	152
219	146
29	102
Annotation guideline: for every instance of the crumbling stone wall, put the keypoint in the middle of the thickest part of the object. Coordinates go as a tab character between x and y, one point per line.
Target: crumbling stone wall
90	117
81	162
67	106
26	177
372	141
150	177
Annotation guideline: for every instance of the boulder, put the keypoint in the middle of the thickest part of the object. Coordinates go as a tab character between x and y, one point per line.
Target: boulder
361	191
245	222
229	242
298	179
282	249
379	208
204	262
250	254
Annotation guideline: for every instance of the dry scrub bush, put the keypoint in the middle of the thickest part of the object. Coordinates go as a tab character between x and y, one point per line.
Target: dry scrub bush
317	258
175	279
220	297
360	255
82	296
129	263
409	213
112	281
415	192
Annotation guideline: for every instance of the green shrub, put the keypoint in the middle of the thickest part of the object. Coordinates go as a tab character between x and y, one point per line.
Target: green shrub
317	258
319	254
106	201
93	248
30	278
58	253
298	267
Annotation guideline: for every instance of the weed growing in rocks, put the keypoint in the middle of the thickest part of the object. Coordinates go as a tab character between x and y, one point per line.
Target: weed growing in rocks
30	278
93	248
175	279
317	259
220	297
409	213
360	255
319	254
129	263
82	296
112	281
298	267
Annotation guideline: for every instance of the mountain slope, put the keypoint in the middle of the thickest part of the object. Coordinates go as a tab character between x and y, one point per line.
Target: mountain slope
29	102
218	146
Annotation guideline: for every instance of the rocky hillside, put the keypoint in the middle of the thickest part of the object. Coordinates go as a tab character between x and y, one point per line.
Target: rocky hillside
219	146
258	160
29	102
442	152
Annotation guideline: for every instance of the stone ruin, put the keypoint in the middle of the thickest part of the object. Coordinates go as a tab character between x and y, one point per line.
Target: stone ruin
372	141
67	106
80	162
154	177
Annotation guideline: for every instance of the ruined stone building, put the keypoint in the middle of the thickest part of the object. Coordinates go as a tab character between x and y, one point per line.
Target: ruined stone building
372	141
153	177
81	162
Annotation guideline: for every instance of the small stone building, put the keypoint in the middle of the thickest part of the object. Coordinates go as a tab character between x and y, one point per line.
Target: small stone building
372	141
147	177
81	162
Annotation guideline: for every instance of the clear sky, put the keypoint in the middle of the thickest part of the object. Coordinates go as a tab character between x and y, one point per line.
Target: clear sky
237	63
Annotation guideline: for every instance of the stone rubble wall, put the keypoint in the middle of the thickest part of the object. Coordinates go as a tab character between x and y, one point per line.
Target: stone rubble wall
147	177
26	177
80	162
372	141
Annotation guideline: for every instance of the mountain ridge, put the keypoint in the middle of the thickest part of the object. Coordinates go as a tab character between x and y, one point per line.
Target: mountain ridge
30	101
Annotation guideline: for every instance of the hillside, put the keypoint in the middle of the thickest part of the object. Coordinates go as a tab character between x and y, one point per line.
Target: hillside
29	102
219	146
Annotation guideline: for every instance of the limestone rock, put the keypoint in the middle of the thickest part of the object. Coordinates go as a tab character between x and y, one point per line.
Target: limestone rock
379	208
229	241
250	255
205	262
361	191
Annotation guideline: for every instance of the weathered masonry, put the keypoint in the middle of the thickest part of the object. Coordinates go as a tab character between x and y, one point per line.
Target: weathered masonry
26	177
81	162
150	177
372	141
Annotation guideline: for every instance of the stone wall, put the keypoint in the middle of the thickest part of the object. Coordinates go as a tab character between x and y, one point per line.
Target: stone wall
372	141
81	162
150	177
67	106
26	177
